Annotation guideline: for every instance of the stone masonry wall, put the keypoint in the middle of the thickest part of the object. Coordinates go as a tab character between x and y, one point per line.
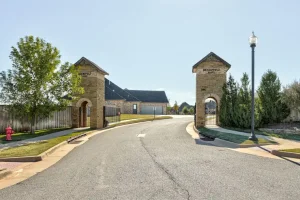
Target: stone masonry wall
208	85
93	85
128	107
117	103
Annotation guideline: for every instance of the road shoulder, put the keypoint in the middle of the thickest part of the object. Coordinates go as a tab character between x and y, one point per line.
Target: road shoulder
29	169
257	151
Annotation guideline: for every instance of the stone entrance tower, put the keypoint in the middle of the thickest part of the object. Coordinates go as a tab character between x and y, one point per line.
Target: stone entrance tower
210	78
93	98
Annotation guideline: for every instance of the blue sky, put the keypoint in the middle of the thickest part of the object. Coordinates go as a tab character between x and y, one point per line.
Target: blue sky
153	44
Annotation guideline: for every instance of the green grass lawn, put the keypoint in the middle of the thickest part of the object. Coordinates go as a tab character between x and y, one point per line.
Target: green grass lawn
278	135
23	136
291	150
140	120
283	135
129	117
238	139
36	148
135	116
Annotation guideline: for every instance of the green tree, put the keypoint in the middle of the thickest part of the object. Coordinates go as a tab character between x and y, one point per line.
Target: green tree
169	108
225	107
232	102
176	107
235	108
244	105
191	110
273	108
38	84
291	95
185	110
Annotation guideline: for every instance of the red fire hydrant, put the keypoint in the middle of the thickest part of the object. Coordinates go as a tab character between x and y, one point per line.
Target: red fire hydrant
9	131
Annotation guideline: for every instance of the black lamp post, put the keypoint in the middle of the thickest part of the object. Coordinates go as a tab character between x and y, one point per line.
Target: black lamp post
253	42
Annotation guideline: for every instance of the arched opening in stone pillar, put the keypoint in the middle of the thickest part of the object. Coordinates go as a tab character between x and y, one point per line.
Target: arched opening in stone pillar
211	109
84	114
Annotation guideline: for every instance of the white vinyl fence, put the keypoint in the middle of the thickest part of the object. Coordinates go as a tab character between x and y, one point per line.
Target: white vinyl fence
57	119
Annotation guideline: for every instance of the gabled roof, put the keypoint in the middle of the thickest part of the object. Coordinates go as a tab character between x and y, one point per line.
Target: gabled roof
209	57
84	61
184	104
210	104
114	92
112	95
150	96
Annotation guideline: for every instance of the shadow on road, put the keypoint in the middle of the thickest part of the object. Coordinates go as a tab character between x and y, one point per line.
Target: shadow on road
284	158
210	142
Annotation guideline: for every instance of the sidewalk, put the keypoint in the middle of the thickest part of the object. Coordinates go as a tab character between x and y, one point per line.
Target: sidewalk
122	121
51	135
282	143
41	138
263	151
217	128
12	165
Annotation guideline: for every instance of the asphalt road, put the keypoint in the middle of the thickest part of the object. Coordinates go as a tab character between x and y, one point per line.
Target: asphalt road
164	164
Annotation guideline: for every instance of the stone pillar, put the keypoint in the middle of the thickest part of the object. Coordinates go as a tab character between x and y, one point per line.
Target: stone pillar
94	92
75	116
210	78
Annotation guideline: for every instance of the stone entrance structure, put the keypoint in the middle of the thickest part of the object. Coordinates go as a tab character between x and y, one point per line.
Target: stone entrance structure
210	78
92	101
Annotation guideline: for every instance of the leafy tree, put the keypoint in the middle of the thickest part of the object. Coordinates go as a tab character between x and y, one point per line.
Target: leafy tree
38	84
235	108
225	107
185	110
291	95
191	110
273	108
169	108
244	105
244	90
176	107
232	102
257	113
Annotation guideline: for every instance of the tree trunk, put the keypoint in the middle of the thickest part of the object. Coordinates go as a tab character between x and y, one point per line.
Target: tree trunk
32	131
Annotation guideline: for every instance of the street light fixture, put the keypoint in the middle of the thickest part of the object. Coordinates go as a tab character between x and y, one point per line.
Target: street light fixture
253	42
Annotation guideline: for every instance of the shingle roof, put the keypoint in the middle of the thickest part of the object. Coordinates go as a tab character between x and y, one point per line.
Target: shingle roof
184	104
114	92
112	95
150	96
211	55
84	60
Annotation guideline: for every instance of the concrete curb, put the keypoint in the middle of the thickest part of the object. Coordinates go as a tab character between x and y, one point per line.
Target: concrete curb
235	144
52	149
219	142
33	158
4	173
40	157
227	143
285	154
196	130
21	159
76	137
